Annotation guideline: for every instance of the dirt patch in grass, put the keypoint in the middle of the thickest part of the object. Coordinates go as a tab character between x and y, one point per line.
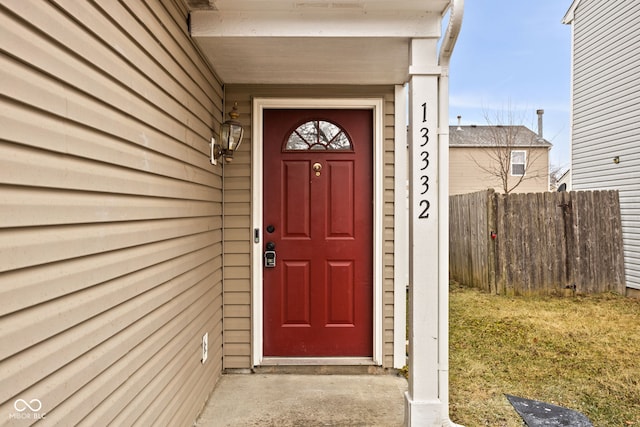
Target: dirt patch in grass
580	352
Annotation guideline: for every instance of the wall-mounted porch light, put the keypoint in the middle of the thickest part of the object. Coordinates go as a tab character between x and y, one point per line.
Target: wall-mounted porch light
231	133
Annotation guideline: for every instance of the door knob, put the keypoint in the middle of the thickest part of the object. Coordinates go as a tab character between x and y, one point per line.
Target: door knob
317	167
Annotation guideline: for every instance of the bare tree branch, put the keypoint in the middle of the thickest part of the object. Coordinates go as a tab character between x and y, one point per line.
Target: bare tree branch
507	134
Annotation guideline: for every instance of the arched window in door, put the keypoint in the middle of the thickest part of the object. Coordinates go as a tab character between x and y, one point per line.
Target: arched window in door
318	135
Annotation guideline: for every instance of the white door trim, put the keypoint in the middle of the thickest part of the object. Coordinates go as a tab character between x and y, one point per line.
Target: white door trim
259	105
400	229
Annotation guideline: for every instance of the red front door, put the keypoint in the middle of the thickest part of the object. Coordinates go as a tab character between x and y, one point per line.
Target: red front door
318	214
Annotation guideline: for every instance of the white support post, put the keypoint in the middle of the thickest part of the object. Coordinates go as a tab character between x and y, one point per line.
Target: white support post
427	401
423	403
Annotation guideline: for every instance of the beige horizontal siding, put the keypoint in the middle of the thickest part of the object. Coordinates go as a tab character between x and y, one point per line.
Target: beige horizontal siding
388	223
111	217
465	176
237	215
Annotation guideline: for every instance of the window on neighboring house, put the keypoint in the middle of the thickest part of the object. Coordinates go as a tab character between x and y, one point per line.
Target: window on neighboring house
518	161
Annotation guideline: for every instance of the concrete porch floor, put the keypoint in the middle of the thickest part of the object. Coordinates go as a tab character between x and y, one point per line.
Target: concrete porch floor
305	400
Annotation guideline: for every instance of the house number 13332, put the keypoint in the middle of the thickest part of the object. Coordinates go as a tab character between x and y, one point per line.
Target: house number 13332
424	203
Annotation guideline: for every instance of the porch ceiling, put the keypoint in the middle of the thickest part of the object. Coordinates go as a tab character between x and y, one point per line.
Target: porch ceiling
312	41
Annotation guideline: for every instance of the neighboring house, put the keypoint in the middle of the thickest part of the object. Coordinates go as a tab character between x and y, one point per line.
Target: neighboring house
134	272
605	153
482	157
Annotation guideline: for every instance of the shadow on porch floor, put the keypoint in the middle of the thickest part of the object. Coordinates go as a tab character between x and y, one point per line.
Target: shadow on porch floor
259	400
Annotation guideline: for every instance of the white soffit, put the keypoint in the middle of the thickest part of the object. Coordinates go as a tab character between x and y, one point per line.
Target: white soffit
314	42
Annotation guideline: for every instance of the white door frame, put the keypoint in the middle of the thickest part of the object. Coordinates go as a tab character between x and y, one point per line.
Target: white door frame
259	105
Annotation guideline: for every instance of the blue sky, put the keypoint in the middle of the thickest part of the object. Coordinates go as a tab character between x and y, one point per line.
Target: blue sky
514	56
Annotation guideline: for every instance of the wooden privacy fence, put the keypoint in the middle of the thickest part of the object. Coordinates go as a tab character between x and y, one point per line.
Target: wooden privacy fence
537	243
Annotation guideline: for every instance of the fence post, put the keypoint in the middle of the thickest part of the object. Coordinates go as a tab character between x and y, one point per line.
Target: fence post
569	239
491	244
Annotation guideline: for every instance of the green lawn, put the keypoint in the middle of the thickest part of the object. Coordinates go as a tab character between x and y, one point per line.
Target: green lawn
579	352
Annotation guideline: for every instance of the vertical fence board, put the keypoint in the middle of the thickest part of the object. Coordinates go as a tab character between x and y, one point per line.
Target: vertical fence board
617	247
555	230
491	243
498	244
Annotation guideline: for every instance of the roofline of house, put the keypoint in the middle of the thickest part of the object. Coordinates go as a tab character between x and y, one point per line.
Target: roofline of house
568	17
542	144
456	7
538	142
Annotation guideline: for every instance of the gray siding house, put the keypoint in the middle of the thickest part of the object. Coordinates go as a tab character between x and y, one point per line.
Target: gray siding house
605	153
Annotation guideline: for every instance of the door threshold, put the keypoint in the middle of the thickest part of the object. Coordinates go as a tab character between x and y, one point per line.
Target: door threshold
317	361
